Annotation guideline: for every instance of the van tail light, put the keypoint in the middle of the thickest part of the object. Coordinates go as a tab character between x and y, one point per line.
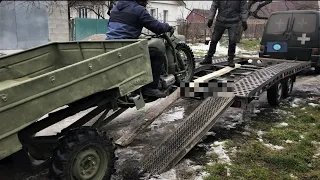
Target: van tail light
315	51
262	48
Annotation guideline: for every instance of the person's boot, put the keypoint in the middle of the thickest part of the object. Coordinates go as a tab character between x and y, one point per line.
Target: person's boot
153	93
207	60
231	61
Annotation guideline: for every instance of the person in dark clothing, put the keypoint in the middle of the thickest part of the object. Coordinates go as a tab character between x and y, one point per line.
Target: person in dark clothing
127	19
230	14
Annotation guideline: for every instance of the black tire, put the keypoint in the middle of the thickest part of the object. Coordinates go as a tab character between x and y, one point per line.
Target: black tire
72	146
317	69
190	63
288	85
275	93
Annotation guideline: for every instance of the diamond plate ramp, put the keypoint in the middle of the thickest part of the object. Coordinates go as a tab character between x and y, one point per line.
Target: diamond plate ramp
176	145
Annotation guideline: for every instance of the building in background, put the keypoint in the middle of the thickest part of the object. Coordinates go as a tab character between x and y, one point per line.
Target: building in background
166	11
26	25
194	27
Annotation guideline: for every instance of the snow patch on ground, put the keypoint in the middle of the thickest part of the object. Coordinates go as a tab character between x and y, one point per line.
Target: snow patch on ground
220	50
260	133
201	176
219	149
313	104
283	124
293	176
274	147
296	101
256	111
288	141
210	133
187	166
174	114
280	112
169	175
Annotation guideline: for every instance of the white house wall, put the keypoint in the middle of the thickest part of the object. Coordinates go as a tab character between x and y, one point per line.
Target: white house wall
173	9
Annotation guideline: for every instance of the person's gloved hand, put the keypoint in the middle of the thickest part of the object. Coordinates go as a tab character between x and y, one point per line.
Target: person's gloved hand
244	26
171	29
210	22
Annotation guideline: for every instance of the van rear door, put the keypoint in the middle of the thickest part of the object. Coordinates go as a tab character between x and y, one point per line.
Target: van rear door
275	36
303	36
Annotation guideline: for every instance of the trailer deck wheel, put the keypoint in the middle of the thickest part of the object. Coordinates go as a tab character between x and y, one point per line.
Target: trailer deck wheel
83	153
288	85
274	94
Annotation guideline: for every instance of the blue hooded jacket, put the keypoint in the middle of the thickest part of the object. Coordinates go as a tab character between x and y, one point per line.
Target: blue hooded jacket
127	18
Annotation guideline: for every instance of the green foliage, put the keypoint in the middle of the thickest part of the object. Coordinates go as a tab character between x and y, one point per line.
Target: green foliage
254	160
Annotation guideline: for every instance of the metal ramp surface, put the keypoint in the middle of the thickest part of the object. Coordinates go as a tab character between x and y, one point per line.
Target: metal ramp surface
176	145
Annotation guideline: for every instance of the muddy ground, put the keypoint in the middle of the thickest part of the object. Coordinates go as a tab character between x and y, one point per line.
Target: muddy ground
307	85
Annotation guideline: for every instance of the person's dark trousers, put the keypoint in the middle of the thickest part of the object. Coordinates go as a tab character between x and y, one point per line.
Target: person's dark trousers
157	60
216	36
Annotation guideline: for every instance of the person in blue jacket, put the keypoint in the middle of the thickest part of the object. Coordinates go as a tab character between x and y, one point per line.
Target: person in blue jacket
127	19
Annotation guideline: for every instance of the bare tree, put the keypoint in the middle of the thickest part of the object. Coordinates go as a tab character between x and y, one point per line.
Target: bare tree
259	7
290	4
97	7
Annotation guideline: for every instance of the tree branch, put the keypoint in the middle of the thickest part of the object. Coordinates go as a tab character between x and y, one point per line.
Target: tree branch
259	7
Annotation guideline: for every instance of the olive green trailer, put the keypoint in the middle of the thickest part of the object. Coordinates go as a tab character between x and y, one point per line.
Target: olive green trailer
37	81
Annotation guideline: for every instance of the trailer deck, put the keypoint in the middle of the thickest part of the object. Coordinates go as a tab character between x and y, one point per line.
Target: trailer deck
251	80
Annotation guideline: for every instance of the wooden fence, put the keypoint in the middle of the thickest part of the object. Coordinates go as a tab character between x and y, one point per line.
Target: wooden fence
199	32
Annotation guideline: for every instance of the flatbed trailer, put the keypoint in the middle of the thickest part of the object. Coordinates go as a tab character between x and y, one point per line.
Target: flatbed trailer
251	79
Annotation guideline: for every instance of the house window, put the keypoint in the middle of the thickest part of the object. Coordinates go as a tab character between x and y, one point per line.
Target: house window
153	12
83	13
165	15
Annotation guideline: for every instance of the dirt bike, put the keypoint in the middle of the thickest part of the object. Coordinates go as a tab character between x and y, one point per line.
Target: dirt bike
179	65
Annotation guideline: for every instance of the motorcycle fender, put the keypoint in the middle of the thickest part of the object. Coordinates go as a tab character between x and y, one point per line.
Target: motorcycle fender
157	43
178	39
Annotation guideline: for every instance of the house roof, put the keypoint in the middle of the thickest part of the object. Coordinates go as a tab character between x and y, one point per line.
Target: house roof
202	12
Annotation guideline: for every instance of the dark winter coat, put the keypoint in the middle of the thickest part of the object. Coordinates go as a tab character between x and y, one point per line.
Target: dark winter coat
229	11
127	18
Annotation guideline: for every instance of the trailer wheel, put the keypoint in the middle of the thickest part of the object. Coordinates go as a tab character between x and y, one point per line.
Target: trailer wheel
287	87
84	153
274	94
188	59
